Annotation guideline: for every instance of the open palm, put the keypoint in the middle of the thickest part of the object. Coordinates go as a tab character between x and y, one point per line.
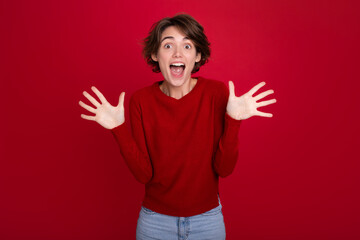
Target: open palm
106	115
245	106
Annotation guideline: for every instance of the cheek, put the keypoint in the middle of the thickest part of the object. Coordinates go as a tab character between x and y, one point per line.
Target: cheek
191	55
163	65
163	57
160	59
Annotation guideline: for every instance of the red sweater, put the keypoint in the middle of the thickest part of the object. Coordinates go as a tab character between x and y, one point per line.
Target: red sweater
180	147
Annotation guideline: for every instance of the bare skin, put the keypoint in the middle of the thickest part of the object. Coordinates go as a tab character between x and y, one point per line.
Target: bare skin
176	47
239	108
246	105
106	115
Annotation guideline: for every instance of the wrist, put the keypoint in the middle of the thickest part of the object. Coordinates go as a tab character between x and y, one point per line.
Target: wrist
116	124
234	116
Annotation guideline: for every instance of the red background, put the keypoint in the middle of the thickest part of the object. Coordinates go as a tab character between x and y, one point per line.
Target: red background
62	177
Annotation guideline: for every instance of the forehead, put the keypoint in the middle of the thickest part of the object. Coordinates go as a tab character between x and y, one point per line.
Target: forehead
173	33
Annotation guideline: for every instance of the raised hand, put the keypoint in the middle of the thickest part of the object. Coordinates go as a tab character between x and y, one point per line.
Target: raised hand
245	106
106	115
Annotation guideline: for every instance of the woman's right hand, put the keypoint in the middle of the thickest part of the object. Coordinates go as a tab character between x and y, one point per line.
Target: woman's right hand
106	115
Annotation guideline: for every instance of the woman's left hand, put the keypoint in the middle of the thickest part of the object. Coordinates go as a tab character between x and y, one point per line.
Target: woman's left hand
245	106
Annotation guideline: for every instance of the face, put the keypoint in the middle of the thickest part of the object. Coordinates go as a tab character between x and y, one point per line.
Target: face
176	56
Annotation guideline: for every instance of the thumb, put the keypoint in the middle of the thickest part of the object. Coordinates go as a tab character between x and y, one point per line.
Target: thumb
231	89
121	99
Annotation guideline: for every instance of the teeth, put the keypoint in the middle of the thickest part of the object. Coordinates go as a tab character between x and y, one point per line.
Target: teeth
178	64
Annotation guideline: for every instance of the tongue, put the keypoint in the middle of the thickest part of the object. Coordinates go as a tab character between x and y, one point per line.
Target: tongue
176	71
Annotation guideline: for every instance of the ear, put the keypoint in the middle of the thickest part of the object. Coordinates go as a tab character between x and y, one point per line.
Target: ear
198	57
153	57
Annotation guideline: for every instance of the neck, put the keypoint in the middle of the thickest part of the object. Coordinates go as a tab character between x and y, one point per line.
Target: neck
178	92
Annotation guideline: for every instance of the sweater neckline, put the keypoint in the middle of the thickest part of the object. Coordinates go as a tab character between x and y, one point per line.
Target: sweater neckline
168	98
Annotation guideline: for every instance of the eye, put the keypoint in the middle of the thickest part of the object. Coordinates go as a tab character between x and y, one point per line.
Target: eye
187	46
167	46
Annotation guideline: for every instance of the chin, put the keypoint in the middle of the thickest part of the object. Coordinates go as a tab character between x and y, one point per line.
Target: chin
177	82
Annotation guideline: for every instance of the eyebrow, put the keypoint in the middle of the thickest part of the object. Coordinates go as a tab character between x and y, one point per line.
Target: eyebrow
169	37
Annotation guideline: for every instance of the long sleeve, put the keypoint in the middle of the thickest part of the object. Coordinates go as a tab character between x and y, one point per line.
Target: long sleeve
226	151
180	147
133	148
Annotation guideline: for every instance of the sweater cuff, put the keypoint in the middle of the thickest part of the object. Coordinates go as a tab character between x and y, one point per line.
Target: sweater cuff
122	135
231	130
228	118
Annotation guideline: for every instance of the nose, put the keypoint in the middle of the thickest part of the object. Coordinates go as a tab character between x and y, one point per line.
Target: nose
177	52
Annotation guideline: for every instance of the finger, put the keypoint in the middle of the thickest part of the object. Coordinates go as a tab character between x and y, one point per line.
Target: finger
231	89
262	114
88	117
91	99
265	103
121	99
99	94
257	87
263	94
87	107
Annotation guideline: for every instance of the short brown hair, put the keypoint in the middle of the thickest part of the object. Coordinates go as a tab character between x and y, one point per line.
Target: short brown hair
189	27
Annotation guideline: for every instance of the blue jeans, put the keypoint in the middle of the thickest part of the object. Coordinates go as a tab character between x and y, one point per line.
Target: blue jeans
155	226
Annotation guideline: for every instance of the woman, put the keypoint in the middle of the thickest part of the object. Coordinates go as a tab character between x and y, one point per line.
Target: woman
184	134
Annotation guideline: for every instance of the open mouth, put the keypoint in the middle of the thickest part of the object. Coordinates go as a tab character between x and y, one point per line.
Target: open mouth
177	69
